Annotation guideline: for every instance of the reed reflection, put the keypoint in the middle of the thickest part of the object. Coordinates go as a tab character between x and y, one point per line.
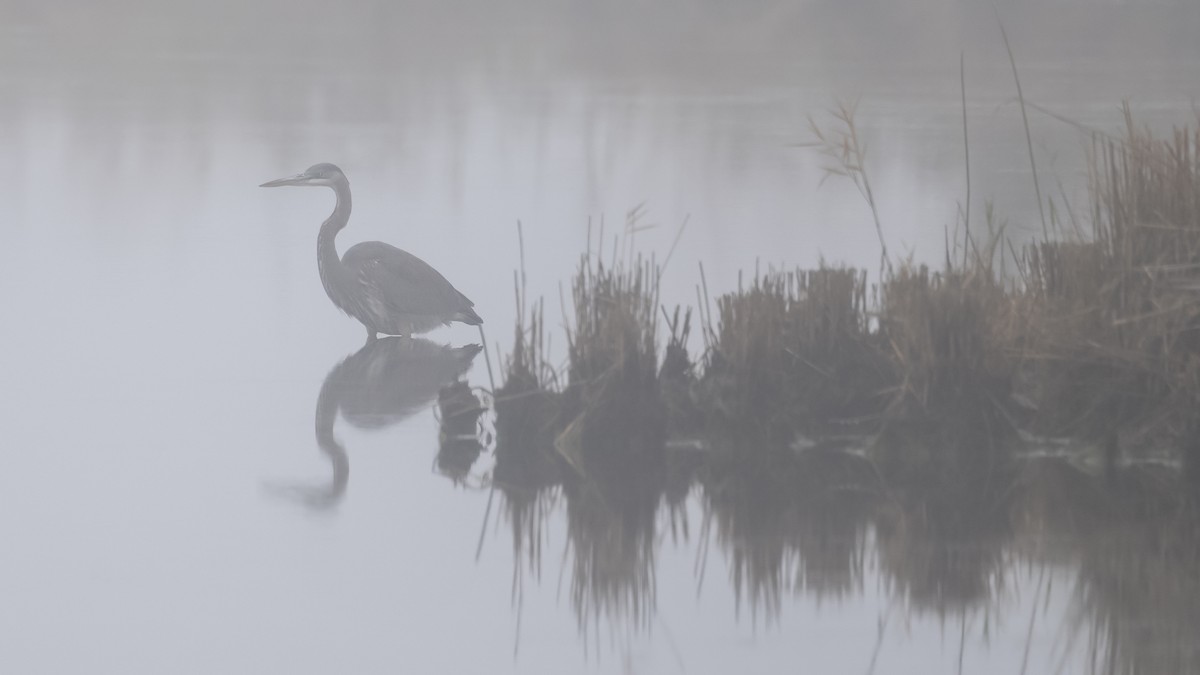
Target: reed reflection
822	522
571	450
942	535
790	522
380	385
611	497
1132	533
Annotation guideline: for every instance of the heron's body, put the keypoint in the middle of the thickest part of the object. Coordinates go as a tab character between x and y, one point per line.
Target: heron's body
389	290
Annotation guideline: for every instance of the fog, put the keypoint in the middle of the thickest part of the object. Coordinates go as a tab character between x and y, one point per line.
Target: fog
205	470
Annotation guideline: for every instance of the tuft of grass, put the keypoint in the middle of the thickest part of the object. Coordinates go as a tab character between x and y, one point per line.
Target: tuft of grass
949	338
528	406
612	401
793	350
677	378
1116	315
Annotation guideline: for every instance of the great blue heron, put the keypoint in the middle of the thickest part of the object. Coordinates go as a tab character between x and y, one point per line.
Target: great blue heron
389	290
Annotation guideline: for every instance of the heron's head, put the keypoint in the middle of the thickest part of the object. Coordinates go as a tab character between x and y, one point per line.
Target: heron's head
323	174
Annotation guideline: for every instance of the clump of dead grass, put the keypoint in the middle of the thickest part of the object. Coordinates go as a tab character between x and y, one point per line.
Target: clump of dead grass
612	401
1117	314
794	350
949	337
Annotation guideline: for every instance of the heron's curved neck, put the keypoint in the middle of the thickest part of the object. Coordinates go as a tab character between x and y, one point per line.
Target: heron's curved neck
328	262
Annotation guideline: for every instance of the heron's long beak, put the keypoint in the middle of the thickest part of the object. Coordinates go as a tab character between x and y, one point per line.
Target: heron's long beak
298	179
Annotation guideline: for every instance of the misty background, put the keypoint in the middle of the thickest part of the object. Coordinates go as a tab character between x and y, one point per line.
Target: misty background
166	335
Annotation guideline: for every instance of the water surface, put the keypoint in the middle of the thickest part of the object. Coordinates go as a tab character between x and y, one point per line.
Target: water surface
173	494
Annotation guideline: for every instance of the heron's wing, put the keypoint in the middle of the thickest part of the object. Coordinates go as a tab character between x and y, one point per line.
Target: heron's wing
402	282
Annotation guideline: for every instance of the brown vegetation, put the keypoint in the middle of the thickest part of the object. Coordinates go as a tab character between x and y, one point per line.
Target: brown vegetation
1093	335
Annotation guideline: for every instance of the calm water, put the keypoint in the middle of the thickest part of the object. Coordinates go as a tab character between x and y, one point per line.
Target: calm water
166	505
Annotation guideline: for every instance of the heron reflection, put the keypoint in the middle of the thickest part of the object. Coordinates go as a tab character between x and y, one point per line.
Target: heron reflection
378	386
